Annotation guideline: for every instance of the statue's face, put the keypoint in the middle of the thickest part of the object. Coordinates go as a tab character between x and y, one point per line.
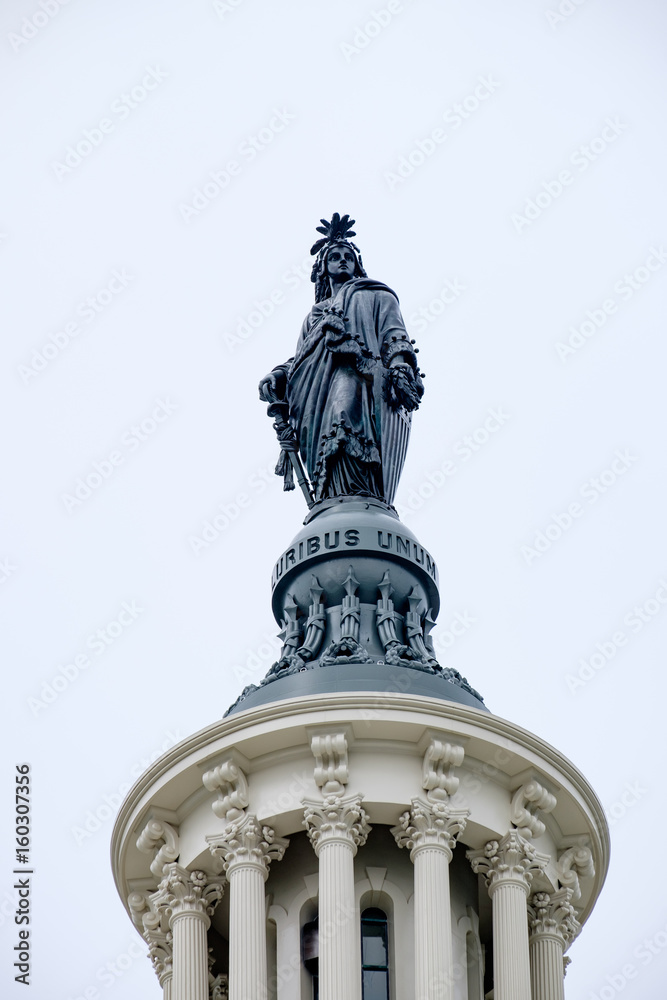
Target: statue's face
341	263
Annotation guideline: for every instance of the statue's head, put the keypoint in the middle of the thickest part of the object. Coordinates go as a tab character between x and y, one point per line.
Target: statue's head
333	252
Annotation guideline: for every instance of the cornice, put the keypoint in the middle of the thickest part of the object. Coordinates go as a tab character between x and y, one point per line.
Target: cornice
451	714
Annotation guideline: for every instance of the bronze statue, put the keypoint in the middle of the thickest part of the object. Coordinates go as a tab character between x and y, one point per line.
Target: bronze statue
343	403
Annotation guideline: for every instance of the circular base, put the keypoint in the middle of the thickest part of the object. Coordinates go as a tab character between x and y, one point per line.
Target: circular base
380	678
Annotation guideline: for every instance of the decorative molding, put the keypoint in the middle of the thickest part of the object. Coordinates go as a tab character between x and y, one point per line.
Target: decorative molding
150	917
246	843
511	860
181	892
395	652
416	629
527	800
573	864
229	781
336	819
430	825
552	915
331	763
154	833
161	955
437	778
218	988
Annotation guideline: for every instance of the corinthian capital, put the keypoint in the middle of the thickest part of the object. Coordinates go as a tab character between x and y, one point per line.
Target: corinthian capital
430	824
181	891
246	843
150	916
512	860
552	915
336	819
161	954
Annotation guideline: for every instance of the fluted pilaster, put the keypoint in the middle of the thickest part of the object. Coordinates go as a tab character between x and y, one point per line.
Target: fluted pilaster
190	947
553	926
509	867
246	849
337	826
188	900
430	830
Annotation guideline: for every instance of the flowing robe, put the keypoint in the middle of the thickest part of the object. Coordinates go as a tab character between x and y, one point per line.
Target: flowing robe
350	440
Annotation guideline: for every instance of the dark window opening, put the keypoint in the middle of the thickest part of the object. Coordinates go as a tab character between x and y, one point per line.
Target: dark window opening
374	955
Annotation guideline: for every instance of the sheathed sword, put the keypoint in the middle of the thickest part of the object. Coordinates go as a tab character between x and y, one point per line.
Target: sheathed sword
279	411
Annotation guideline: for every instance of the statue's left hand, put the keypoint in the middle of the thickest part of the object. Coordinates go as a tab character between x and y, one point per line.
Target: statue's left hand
403	387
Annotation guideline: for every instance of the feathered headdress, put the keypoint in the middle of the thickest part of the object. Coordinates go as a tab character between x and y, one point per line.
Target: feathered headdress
339	230
335	231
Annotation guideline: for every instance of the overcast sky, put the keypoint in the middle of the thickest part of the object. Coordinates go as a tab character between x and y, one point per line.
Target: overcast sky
165	164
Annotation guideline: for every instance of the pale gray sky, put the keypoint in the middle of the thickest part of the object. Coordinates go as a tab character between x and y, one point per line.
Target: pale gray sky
165	165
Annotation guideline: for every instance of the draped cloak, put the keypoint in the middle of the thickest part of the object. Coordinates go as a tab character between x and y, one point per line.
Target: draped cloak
350	440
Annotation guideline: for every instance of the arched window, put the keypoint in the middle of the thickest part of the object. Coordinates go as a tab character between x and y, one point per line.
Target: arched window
374	955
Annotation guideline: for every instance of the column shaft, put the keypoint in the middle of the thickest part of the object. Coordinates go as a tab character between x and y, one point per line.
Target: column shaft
339	964
247	933
166	988
511	963
433	925
190	981
546	968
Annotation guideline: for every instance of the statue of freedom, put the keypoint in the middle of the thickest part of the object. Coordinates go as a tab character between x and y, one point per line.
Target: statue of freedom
344	402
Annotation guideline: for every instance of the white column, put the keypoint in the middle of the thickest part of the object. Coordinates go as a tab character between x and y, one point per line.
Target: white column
509	867
337	826
189	898
162	959
553	927
150	915
430	830
247	848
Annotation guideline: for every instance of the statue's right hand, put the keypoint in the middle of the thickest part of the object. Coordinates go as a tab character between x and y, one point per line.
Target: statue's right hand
268	388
